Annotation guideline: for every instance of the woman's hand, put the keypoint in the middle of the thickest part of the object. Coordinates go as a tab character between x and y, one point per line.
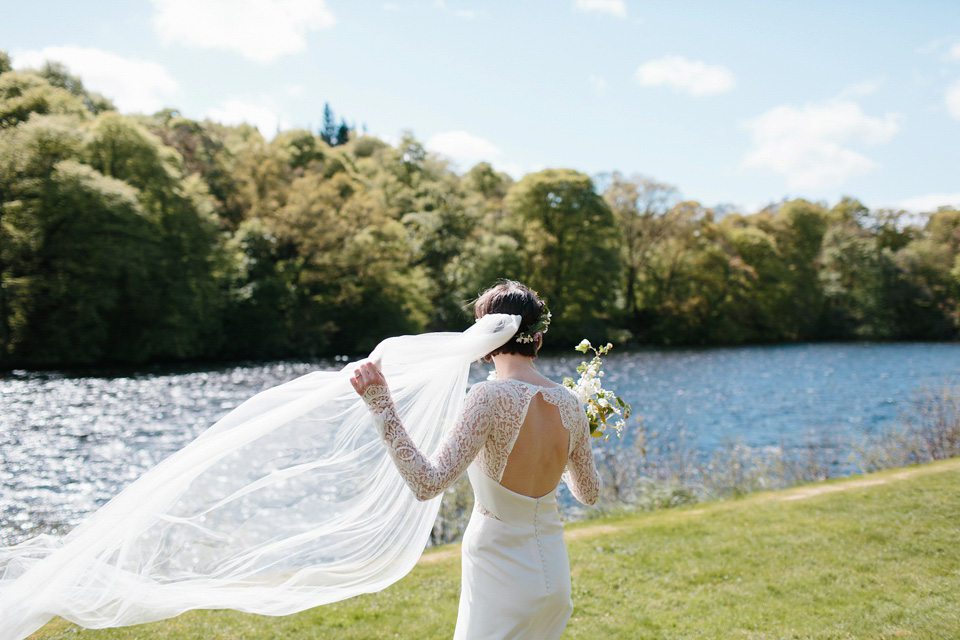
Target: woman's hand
367	375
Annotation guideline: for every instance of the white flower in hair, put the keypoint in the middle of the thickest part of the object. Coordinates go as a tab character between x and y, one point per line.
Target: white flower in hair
539	327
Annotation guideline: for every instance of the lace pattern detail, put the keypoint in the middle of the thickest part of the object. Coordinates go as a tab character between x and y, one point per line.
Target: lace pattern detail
486	430
482	510
581	473
428	477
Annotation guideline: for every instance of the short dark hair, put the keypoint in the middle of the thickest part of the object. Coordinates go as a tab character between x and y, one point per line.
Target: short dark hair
514	298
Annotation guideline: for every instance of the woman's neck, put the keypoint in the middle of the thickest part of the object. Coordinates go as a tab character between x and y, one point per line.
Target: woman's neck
511	365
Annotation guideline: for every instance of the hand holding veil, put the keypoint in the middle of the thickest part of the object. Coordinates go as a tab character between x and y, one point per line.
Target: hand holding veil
288	502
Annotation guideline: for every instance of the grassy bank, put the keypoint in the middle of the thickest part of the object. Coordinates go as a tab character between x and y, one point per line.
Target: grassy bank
874	556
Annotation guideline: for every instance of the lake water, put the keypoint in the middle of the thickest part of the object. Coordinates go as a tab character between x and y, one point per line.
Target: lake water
69	442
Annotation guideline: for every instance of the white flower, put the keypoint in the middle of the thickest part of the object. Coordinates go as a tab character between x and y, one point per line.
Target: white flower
600	403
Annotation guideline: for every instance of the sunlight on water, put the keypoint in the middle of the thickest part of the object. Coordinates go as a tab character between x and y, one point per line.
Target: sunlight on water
70	442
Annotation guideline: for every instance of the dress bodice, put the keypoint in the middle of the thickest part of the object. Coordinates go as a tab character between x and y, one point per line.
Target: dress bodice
513	398
486	430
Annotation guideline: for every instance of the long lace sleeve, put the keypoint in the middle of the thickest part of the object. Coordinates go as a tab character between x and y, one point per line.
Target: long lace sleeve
427	477
581	474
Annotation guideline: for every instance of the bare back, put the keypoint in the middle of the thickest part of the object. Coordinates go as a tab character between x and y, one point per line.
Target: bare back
537	431
526	436
539	455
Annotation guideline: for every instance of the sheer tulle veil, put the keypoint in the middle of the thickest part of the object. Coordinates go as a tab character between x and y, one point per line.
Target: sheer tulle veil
289	502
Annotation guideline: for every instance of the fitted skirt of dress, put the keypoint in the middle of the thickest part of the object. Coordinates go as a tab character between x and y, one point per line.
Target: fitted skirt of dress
516	572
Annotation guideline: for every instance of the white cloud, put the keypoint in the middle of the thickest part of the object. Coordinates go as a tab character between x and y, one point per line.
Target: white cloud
465	14
391	6
942	47
807	144
613	7
952	99
391	139
861	89
261	113
133	84
516	170
694	77
598	84
931	46
929	202
464	148
261	30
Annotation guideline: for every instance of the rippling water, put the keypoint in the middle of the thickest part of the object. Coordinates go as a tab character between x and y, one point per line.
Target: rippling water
69	442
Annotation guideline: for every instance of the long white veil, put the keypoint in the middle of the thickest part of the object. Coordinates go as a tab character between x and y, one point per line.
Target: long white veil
289	502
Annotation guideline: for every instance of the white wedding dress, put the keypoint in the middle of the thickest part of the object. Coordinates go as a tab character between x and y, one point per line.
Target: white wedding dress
288	502
515	571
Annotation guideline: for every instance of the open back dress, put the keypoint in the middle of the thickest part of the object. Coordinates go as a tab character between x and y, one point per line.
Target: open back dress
515	568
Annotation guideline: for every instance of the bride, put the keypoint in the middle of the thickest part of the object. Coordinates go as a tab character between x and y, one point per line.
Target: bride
516	436
291	501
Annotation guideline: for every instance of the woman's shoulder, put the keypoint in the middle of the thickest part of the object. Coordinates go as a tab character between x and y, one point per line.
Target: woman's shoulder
484	389
513	386
487	388
493	387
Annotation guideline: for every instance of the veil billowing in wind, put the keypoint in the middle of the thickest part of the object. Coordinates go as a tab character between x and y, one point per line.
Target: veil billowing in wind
289	502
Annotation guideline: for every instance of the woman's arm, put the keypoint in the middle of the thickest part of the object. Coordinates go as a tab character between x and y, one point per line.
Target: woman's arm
581	475
426	477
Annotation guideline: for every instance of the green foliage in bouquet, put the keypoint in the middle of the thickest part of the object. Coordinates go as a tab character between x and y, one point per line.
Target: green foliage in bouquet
603	405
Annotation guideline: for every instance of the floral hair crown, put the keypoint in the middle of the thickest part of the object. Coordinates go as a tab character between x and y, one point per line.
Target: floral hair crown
537	328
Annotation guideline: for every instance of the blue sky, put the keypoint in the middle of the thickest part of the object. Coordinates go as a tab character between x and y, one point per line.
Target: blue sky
734	102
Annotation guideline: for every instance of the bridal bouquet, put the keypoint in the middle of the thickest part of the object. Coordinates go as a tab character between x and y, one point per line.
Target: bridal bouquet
603	405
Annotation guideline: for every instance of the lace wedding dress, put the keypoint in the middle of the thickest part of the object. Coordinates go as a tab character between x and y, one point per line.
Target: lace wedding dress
516	572
288	502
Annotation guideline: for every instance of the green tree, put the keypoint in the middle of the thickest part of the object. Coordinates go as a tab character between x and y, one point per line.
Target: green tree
640	205
930	264
692	287
23	93
261	172
437	232
799	227
76	248
28	156
753	239
853	272
58	75
189	292
329	129
343	134
203	149
349	264
571	249
332	133
261	297
89	295
491	249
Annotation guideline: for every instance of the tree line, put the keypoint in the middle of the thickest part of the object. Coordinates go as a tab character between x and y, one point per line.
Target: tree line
134	238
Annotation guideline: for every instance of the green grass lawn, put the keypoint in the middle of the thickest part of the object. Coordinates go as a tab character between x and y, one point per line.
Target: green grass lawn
873	557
